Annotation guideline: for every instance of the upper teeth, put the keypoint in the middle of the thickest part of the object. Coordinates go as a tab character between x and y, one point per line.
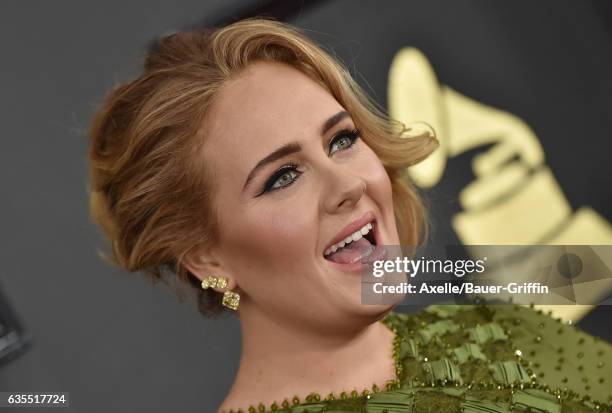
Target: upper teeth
355	236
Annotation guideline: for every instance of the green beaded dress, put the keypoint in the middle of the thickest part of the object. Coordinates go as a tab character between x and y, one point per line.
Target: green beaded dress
481	358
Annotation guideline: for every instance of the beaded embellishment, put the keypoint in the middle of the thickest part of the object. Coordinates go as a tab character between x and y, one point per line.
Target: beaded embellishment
476	359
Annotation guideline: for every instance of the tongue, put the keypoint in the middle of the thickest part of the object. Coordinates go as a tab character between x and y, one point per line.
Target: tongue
352	252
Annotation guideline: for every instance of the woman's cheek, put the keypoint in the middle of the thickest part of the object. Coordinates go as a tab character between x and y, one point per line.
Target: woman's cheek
278	231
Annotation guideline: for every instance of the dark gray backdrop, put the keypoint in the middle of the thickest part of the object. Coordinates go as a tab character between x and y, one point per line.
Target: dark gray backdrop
117	343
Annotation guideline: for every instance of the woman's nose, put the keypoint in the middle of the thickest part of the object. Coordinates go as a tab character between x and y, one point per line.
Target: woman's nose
343	190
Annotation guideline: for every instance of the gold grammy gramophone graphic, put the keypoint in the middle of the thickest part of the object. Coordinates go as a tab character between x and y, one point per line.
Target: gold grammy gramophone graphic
515	198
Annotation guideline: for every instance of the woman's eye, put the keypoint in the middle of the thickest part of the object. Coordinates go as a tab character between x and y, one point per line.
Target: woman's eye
343	140
288	174
284	177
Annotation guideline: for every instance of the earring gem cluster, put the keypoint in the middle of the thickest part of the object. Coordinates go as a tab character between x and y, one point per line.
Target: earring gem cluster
230	299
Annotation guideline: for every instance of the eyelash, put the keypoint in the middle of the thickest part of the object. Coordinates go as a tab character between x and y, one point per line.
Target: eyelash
352	135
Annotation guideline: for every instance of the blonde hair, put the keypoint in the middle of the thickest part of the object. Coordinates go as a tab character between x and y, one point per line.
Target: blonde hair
145	185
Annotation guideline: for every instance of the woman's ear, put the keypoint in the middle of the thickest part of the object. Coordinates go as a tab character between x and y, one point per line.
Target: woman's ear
204	263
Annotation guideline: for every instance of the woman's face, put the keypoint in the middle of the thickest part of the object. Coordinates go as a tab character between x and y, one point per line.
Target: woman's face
288	181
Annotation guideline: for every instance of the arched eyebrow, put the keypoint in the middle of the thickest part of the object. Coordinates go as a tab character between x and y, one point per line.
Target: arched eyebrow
293	147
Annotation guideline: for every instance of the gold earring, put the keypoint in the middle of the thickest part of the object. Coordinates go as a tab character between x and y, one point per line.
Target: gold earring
221	282
209	282
214	282
231	300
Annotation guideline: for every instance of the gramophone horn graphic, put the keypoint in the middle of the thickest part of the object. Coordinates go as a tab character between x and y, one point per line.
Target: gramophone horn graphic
515	198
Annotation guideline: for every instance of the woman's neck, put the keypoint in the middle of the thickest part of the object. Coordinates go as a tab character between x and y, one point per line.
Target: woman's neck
280	361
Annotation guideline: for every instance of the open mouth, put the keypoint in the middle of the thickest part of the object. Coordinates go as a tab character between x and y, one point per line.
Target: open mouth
356	247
